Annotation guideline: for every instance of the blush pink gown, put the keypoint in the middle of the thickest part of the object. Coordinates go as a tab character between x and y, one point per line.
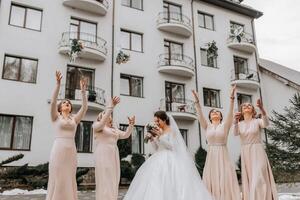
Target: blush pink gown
63	159
107	161
219	174
257	177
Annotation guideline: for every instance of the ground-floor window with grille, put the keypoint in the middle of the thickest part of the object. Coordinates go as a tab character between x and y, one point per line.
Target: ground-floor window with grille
15	132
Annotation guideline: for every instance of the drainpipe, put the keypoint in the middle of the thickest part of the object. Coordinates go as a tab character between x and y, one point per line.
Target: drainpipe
113	50
257	69
195	61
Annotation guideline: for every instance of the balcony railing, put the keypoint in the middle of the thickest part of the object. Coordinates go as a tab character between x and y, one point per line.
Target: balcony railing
244	37
104	3
90	41
250	75
179	60
174	17
178	105
94	94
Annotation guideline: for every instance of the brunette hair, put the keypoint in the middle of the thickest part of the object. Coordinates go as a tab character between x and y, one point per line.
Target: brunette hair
163	116
254	113
60	105
218	112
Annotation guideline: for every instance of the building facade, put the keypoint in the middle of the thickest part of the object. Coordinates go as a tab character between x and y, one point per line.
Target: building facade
172	51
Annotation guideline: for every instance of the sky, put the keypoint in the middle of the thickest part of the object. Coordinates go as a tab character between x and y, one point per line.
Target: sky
278	31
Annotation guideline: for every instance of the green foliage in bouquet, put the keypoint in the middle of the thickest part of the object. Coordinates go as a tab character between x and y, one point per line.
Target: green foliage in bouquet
76	48
212	50
122	58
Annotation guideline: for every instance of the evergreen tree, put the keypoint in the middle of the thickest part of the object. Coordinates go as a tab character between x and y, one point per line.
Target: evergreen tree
284	145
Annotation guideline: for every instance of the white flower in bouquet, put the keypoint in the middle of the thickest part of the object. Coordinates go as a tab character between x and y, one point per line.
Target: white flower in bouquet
122	57
150	127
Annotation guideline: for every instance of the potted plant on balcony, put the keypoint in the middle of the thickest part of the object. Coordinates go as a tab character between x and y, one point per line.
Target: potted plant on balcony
122	57
75	49
92	95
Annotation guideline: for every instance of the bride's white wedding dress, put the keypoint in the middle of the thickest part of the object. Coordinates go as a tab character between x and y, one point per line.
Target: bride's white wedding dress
169	174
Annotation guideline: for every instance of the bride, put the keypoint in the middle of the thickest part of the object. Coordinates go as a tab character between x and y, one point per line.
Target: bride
170	173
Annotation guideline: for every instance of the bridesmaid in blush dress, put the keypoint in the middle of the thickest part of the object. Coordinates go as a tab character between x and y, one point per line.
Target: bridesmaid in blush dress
219	174
63	159
257	177
106	153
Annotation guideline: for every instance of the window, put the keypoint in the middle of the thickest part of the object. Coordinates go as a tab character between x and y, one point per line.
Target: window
240	65
243	98
74	74
135	143
20	69
131	85
236	26
137	4
211	97
175	92
84	137
172	12
206	21
83	30
208	61
173	52
184	133
132	41
25	17
15	132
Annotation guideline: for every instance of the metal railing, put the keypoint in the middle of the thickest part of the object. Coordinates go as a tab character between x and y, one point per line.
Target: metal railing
178	105
247	75
94	94
244	37
89	41
104	3
174	17
179	60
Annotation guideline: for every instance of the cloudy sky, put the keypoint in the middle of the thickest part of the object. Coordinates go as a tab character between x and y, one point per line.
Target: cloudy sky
278	31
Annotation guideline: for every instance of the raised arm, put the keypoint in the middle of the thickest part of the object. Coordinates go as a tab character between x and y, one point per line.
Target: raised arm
127	133
229	118
236	130
54	113
99	125
200	114
80	114
264	121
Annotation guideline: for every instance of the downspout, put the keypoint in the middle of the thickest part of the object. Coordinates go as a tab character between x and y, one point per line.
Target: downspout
113	51
195	61
257	69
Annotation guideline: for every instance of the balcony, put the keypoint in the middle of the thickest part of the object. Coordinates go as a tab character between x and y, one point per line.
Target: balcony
174	22
94	46
176	64
180	109
248	80
96	97
243	43
98	7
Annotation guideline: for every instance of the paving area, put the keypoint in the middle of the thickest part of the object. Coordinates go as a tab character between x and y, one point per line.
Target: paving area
293	190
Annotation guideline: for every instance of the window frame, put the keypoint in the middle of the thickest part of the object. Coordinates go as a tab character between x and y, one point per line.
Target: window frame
91	137
215	60
210	104
19	70
129	77
242	94
13	132
130	40
206	14
130	6
25	16
186	140
141	139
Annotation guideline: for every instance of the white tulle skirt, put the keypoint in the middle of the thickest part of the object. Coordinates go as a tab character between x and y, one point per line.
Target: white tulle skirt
165	177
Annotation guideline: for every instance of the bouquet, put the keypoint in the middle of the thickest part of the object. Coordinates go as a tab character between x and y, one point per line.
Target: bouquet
122	58
75	49
150	129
